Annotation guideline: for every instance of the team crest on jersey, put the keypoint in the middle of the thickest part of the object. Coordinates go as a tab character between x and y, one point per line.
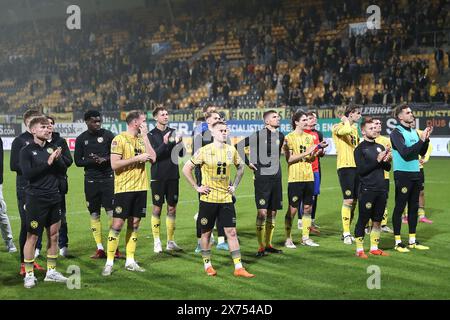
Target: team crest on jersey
204	221
229	155
379	149
118	210
294	199
277	142
262	202
34	224
171	139
404	190
86	142
50	150
100	139
348	193
157	197
34	153
368	205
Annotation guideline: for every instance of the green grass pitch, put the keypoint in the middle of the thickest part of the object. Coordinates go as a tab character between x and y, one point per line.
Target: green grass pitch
330	271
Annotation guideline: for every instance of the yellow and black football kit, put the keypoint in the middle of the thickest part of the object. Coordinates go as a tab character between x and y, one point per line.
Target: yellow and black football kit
346	138
385	142
133	177
131	182
216	170
300	174
215	166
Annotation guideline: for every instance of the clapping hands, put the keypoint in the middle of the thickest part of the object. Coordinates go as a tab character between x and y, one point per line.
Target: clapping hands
426	133
54	156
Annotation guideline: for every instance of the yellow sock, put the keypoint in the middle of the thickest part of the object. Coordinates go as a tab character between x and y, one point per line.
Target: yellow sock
29	266
288	225
270	226
131	243
374	238
412	238
237	261
260	232
385	218
113	243
346	212
405	212
96	227
51	262
359	244
156	222
236	255
421	212
170	225
398	239
306	225
206	256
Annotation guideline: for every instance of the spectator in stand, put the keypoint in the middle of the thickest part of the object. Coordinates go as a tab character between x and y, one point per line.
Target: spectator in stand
388	98
416	96
439	58
317	102
377	97
226	91
328	97
327	77
294	99
357	98
261	88
433	90
338	98
439	97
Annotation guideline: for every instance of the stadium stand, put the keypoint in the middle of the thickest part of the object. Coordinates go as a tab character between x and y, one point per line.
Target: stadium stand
275	53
